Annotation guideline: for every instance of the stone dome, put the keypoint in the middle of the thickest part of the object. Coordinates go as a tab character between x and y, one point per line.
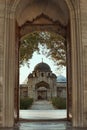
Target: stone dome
61	78
42	67
30	75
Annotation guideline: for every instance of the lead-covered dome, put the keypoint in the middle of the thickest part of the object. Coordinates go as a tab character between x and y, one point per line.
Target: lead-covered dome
43	67
61	78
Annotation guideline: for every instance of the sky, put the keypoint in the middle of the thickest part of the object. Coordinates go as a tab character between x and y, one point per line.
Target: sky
37	58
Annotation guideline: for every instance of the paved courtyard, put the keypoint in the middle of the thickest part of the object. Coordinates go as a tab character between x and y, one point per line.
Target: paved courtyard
43	126
42	116
42	105
48	113
43	110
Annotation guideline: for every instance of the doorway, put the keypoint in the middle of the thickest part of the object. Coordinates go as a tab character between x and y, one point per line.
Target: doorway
43	23
49	75
42	94
66	12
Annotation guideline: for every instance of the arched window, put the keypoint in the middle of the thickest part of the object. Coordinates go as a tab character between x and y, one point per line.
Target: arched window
35	74
48	74
42	74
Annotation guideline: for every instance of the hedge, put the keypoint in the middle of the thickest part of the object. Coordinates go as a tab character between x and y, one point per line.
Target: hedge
26	103
59	103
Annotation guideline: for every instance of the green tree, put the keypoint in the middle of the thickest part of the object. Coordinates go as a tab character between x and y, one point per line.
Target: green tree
54	43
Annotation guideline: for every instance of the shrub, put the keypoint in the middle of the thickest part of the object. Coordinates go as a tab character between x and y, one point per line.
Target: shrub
26	103
59	103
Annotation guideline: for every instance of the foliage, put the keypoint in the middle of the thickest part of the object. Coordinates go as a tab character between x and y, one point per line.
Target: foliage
26	103
55	43
59	103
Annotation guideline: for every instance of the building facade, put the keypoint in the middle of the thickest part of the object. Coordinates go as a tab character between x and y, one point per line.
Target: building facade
42	84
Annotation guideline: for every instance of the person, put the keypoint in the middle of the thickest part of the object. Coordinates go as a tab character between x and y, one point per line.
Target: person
39	97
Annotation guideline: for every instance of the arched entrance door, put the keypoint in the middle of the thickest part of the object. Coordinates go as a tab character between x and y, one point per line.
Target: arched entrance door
42	91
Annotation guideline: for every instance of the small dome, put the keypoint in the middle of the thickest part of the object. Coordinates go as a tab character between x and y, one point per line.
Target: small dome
43	67
61	78
30	76
54	76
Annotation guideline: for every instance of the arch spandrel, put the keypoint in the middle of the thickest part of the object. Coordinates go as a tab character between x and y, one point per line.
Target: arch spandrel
15	4
51	8
42	23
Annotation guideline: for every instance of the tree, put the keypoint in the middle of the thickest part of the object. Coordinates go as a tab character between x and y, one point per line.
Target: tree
54	43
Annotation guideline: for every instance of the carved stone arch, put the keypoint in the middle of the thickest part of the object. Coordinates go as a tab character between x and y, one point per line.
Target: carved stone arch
76	61
73	7
42	83
42	23
50	25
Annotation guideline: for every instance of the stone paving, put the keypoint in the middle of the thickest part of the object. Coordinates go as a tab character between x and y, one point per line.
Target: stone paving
42	105
48	112
43	114
43	110
44	126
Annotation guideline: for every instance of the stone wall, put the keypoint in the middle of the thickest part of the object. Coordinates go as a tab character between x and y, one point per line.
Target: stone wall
7	64
2	24
83	7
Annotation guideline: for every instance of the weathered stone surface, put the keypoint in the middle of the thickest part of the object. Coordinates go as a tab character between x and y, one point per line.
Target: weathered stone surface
83	6
78	57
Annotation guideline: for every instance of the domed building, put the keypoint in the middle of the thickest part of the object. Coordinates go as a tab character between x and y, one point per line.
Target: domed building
42	83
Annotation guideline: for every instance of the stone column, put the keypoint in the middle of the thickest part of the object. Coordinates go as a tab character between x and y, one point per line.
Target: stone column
9	68
78	24
2	23
83	7
76	59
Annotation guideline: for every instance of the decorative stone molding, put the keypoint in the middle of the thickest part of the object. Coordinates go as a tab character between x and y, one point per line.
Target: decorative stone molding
77	60
42	23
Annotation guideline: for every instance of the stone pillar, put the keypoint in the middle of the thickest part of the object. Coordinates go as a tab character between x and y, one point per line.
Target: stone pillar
78	28
2	24
76	59
83	7
9	68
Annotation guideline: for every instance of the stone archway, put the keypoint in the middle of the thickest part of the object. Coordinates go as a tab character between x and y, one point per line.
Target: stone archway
43	22
9	69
